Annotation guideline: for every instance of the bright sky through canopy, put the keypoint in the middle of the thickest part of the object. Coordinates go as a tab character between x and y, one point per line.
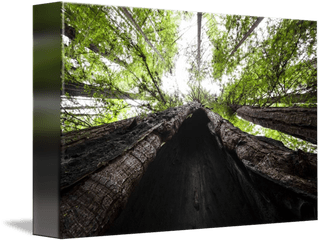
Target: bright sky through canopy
187	45
123	62
177	81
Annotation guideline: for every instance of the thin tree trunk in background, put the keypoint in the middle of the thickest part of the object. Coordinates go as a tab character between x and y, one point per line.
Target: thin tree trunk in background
199	28
86	114
71	33
295	121
129	16
148	14
310	97
82	107
246	35
78	89
153	25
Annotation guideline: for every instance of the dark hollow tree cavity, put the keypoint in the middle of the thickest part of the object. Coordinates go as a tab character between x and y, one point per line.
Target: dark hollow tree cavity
194	183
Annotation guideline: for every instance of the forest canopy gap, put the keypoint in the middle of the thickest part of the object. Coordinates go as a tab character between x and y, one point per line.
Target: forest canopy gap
128	62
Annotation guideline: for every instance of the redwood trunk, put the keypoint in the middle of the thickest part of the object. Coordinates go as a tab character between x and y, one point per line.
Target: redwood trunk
310	97
71	33
268	157
131	19
199	180
298	122
199	28
211	174
247	34
78	89
100	169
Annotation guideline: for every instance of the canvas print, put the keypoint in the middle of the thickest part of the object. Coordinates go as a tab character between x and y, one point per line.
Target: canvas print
175	120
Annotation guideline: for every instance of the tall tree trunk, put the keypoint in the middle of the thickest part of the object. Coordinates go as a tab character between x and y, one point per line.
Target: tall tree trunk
194	182
310	97
100	169
246	35
295	169
199	28
101	166
83	107
86	114
155	30
298	122
131	19
78	89
71	33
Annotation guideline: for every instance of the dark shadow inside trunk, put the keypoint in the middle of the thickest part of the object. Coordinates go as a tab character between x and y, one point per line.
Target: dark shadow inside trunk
194	183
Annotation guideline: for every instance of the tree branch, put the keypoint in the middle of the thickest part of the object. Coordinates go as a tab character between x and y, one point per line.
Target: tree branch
129	16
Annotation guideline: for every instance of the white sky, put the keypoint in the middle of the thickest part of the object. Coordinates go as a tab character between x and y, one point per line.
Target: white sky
181	76
179	80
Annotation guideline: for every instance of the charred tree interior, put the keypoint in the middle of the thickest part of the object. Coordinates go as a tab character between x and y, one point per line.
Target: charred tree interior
183	168
196	183
101	167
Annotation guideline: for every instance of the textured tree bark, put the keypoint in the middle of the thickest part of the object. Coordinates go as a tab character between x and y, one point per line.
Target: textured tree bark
195	182
78	89
74	138
131	19
247	34
310	96
101	167
267	157
298	122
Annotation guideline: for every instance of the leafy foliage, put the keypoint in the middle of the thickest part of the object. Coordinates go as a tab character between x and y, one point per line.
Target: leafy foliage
277	67
224	35
114	60
107	53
